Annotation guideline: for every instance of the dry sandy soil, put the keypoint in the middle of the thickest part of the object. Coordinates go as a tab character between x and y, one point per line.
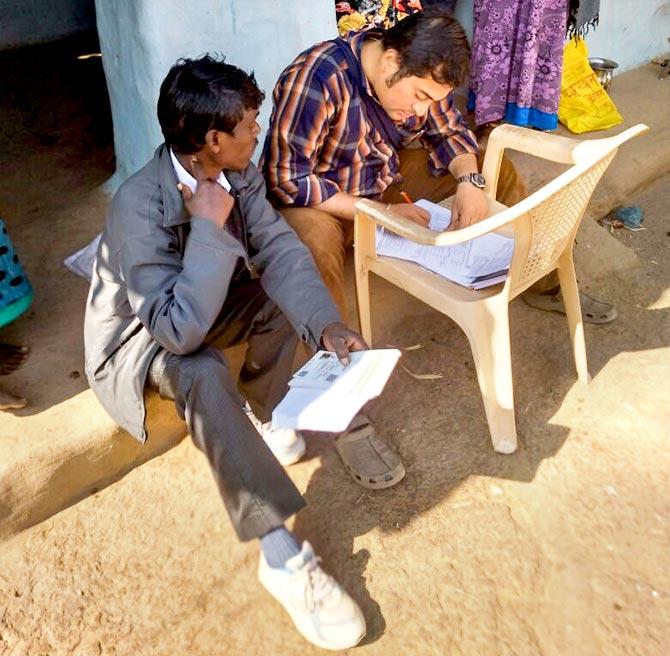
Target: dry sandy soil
560	549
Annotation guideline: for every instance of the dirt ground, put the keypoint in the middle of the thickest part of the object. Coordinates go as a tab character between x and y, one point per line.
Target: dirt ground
56	150
560	549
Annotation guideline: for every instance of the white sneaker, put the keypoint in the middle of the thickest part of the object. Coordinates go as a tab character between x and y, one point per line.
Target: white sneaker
288	446
319	607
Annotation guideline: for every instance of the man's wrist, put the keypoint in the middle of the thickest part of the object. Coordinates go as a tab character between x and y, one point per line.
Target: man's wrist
318	324
477	180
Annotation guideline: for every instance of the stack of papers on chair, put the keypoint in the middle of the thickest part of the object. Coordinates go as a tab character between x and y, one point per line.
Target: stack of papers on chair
325	396
476	263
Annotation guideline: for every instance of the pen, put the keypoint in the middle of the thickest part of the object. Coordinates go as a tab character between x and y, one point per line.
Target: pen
406	197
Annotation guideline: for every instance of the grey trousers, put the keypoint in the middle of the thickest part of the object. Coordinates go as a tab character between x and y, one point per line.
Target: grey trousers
256	491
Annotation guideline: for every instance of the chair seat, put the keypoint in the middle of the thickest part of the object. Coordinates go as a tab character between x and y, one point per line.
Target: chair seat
432	288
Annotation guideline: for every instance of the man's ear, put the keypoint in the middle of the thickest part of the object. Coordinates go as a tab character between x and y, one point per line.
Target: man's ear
389	63
213	141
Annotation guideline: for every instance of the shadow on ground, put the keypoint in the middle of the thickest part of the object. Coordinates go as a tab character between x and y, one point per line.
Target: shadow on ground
56	132
439	449
442	449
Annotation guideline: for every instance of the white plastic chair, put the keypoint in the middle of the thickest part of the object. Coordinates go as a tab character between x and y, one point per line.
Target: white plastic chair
543	227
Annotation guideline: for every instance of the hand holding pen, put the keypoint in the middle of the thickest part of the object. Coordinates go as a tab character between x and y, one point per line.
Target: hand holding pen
408	210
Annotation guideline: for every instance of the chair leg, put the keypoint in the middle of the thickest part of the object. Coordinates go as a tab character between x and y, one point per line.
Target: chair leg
489	340
570	292
363	303
364	247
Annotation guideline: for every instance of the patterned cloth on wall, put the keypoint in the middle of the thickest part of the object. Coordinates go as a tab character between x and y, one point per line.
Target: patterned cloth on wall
517	57
356	14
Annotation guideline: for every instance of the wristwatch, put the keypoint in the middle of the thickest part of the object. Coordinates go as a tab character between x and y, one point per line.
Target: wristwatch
476	179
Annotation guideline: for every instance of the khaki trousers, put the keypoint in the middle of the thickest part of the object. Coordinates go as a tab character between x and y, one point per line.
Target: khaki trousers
328	236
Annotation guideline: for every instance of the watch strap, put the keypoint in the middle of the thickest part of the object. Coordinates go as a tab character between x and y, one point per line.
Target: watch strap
475	179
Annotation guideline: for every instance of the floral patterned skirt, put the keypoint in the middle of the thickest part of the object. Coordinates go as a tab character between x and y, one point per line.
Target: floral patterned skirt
517	57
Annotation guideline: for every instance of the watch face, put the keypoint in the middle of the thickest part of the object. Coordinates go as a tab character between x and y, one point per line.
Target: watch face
478	180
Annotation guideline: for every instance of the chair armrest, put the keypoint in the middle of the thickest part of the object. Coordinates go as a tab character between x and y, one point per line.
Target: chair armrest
378	213
563	150
547	146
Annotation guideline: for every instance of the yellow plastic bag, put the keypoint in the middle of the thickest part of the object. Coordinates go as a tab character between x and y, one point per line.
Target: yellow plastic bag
584	105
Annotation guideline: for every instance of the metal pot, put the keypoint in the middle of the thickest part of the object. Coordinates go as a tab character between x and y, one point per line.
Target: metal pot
604	69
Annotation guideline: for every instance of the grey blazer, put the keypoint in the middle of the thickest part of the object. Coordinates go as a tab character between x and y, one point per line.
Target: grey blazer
161	277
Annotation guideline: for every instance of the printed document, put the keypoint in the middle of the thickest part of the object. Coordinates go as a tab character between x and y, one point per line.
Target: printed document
325	396
476	263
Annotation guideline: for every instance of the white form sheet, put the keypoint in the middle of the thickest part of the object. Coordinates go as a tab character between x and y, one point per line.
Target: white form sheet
462	263
325	396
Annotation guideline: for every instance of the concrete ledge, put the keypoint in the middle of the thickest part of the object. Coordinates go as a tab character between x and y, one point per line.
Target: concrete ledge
85	452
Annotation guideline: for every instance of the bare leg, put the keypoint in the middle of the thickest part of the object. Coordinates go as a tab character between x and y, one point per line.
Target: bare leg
10	401
11	359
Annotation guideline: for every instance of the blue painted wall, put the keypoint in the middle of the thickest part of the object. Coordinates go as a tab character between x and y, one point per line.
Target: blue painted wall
141	39
631	32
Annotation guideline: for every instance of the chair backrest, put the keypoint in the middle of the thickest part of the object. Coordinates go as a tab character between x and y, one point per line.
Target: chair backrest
549	227
549	218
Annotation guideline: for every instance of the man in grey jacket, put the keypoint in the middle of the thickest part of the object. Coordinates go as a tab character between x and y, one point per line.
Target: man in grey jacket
192	254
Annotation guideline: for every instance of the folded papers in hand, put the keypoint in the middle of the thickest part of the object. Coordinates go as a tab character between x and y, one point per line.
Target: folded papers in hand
325	396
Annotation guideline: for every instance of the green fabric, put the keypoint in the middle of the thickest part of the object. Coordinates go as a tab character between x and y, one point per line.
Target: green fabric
15	309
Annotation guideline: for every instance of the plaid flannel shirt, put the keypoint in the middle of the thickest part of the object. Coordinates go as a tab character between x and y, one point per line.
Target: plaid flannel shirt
320	143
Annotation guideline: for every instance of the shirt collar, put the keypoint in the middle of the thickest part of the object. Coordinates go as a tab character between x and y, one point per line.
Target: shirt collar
187	179
356	42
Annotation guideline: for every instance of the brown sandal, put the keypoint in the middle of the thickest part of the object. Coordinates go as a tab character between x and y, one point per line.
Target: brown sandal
593	310
367	458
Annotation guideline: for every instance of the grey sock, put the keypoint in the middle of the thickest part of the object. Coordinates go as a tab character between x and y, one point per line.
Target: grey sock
278	546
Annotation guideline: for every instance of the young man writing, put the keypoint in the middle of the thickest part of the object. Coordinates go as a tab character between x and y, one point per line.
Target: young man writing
192	254
373	115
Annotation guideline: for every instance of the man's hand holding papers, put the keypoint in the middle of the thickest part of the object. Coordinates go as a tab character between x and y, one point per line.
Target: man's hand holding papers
338	338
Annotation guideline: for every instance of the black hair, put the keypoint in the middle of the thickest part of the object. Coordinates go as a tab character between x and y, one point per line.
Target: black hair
430	42
199	95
